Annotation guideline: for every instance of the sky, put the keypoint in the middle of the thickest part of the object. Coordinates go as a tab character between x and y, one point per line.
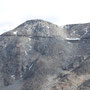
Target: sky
60	12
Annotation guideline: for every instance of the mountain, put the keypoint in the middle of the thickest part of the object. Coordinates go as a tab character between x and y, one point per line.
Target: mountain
39	55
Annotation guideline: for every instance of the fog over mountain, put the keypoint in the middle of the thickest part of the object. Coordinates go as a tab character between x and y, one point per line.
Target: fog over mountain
39	55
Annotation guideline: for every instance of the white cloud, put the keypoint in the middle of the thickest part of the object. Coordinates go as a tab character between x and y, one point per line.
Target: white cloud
56	11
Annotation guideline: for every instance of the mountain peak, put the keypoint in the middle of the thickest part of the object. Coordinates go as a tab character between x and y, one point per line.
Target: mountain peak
36	27
39	55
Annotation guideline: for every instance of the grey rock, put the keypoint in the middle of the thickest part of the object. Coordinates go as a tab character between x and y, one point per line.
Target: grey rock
38	55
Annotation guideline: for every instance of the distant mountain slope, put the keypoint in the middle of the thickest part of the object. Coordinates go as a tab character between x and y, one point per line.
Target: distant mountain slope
38	55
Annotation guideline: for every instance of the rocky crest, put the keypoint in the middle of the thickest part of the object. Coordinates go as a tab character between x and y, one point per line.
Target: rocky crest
38	55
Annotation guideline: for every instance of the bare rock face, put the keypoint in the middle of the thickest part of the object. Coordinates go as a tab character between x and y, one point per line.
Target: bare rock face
38	55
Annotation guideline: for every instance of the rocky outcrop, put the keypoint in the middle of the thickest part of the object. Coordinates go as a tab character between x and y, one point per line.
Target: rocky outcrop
38	55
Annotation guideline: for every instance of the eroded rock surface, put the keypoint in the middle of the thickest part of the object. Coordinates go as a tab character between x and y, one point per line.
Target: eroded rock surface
38	55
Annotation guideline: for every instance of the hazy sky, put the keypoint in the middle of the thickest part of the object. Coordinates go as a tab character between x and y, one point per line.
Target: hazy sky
61	12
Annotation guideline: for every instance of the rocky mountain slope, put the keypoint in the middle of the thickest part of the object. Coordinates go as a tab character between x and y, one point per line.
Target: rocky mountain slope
38	55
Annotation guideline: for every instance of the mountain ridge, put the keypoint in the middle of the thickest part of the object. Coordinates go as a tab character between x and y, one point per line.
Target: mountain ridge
38	55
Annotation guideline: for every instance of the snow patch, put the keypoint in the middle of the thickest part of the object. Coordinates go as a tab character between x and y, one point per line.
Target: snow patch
72	38
26	53
30	67
13	76
15	32
48	27
29	39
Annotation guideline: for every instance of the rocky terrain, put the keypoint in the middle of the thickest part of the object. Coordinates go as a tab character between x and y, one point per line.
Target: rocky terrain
39	55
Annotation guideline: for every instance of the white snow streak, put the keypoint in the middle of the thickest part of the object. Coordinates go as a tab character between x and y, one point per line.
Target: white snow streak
30	67
72	38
